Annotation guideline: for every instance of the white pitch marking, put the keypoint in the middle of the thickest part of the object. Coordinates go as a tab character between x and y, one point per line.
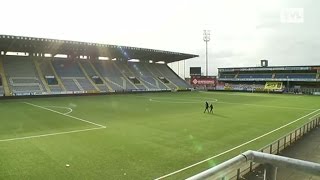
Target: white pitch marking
61	107
182	102
67	115
171	100
251	94
215	156
50	134
258	105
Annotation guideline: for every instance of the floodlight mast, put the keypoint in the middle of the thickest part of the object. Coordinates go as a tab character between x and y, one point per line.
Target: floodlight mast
206	38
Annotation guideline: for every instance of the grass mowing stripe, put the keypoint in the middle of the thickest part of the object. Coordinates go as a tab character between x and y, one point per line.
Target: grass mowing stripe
190	100
67	115
229	150
267	106
50	134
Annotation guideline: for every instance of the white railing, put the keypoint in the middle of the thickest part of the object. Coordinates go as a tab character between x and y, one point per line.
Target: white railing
239	169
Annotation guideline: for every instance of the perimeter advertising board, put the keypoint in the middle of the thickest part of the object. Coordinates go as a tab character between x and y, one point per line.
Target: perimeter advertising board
203	81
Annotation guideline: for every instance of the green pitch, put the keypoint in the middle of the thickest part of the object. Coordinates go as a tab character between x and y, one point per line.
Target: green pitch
139	136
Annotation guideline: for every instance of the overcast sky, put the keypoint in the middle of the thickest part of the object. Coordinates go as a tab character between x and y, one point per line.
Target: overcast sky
242	31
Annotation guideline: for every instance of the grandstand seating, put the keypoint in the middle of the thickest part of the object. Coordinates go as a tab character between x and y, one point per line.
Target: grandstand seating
91	73
154	68
36	75
46	69
153	76
1	87
255	76
270	76
21	75
113	76
146	76
228	76
123	67
71	75
295	76
164	71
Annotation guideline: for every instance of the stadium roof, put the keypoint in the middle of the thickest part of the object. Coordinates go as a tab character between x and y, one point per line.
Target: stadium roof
10	43
271	68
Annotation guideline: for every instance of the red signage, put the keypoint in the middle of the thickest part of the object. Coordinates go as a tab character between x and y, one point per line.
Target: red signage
203	80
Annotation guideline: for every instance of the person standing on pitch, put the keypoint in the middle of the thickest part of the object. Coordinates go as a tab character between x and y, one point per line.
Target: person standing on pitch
206	107
211	108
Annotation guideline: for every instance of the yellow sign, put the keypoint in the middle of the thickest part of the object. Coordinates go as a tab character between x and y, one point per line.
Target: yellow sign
273	85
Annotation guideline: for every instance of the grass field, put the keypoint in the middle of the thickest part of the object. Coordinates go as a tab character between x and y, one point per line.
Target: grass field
139	136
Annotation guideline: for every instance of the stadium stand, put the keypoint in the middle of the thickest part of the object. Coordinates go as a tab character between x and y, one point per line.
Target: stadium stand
160	81
174	81
21	75
37	68
101	84
45	67
255	76
145	75
228	76
295	76
293	79
1	87
114	77
4	89
129	75
84	76
174	78
71	75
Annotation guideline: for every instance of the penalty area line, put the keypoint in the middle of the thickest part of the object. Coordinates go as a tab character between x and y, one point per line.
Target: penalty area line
63	114
50	134
61	107
236	147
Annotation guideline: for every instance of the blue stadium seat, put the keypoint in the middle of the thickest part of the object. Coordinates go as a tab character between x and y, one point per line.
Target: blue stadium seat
295	76
255	76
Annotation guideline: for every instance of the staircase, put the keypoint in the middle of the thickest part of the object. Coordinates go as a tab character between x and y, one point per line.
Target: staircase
115	64
87	76
57	77
40	74
155	77
237	75
102	78
4	79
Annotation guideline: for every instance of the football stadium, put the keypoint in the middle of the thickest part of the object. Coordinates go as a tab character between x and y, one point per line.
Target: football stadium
77	110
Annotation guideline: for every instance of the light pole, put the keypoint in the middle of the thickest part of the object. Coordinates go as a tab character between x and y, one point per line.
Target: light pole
206	38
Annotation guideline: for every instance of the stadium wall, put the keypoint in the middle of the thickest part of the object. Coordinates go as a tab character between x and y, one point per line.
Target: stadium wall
84	94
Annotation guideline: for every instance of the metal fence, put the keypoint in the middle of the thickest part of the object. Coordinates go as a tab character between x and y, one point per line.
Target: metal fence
274	148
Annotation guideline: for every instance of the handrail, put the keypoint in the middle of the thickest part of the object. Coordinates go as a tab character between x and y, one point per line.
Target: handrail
262	158
237	166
